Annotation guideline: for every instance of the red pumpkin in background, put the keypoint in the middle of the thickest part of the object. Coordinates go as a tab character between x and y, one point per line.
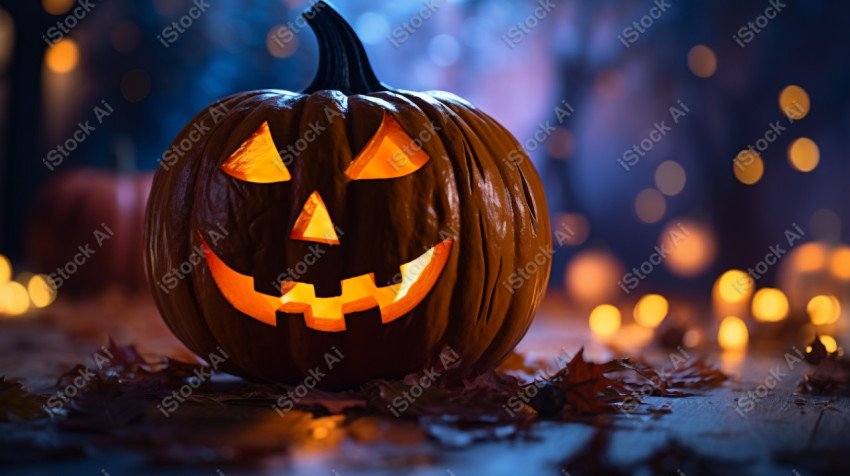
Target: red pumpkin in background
86	230
351	220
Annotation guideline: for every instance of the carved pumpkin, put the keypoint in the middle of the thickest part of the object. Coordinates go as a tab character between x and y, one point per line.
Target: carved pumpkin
383	223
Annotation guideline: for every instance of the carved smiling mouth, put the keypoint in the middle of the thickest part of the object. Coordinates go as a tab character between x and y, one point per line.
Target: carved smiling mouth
326	314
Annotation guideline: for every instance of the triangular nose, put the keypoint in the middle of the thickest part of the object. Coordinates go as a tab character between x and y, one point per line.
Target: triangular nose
314	223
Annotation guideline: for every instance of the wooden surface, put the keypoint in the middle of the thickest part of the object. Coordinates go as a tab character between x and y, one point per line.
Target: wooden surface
783	433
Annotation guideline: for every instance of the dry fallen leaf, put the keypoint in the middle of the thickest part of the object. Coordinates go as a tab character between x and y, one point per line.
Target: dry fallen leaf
120	395
831	373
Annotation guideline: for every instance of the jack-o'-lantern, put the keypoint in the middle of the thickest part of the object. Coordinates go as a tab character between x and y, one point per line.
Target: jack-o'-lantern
384	224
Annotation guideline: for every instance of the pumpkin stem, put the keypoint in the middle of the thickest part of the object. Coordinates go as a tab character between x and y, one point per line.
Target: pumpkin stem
343	64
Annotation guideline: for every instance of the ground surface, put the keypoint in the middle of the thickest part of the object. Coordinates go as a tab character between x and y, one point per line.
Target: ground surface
711	433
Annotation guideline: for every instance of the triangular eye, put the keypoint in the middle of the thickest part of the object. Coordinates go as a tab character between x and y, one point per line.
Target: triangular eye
390	153
257	159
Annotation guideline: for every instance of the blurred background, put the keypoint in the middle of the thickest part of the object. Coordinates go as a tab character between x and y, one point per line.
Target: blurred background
681	143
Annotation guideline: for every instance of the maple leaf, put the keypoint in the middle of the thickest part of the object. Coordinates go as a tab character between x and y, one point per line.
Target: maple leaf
695	373
587	390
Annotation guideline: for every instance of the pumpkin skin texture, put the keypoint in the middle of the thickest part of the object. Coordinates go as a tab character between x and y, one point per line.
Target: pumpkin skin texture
472	191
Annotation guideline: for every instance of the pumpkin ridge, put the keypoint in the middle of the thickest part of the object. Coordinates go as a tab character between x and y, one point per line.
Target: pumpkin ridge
490	293
503	337
237	114
200	344
453	119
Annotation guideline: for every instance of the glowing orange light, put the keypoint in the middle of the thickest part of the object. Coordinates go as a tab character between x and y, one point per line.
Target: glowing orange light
592	276
794	102
40	290
733	286
570	229
257	160
63	56
809	257
829	343
824	310
605	320
702	61
650	310
57	7
281	41
390	153
770	305
748	167
839	265
633	336
321	432
14	300
326	313
314	223
691	247
650	205
5	270
670	178
692	338
733	334
803	154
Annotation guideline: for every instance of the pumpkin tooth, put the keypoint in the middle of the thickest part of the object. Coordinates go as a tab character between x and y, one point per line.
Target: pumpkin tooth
327	314
325	288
